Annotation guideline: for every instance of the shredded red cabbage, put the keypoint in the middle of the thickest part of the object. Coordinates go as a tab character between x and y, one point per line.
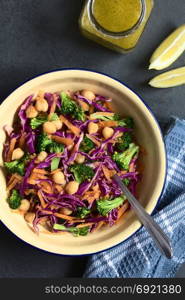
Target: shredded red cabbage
22	112
30	141
98	106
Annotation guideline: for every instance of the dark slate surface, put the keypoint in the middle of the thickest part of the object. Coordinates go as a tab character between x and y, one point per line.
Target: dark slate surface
42	35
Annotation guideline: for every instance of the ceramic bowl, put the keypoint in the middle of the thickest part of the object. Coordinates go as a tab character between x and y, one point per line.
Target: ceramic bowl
153	160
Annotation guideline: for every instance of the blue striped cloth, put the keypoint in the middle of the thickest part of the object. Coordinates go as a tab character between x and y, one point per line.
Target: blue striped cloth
138	257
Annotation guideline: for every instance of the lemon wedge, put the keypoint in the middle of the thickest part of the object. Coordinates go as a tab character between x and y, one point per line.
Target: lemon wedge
169	79
169	50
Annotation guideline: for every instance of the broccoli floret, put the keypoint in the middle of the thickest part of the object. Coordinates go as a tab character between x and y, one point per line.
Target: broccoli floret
82	172
79	113
126	181
104	206
17	166
82	212
42	142
12	167
124	141
14	200
36	122
86	145
54	117
20	169
125	122
129	122
55	147
123	159
70	107
74	230
55	163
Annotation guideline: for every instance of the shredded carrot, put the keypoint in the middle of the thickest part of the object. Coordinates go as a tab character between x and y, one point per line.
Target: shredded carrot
122	172
73	128
93	139
11	179
14	177
100	224
96	187
122	210
76	221
62	140
31	181
91	110
90	196
103	124
83	105
46	186
108	173
43	204
58	187
61	216
40	171
36	176
22	140
53	106
109	106
19	177
47	212
84	225
29	191
11	148
43	189
13	184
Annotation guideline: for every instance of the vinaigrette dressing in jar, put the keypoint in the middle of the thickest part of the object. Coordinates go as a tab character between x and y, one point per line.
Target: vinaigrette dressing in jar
116	24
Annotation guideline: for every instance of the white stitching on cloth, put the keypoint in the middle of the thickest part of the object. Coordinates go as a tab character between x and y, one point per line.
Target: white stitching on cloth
110	263
167	223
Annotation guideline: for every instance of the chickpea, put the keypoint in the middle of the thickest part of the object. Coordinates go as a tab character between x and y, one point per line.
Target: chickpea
41	105
88	94
92	127
25	205
107	132
59	178
40	95
17	153
65	211
58	124
31	112
72	187
42	156
49	127
29	217
80	158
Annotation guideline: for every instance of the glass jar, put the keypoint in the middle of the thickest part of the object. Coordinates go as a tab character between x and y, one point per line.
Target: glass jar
116	24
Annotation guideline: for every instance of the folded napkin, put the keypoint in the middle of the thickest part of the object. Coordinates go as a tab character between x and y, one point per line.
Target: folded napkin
138	256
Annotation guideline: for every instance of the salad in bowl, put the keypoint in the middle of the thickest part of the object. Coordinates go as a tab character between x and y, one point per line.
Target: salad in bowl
60	156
